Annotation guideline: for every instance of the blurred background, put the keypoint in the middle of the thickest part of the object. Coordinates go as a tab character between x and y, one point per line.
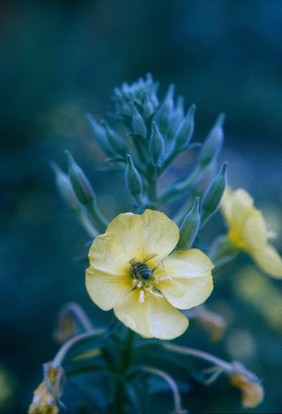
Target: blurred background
61	59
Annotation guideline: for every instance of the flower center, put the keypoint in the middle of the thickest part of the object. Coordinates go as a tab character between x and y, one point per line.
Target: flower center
143	278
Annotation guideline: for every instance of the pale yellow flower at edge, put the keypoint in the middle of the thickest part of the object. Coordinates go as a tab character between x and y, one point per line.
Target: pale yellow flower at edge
146	297
248	232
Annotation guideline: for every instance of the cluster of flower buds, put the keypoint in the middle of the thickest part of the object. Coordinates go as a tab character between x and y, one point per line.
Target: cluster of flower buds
142	265
157	132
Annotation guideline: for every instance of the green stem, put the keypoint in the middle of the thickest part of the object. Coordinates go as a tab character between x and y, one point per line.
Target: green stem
126	360
99	219
172	384
178	189
74	341
152	187
225	366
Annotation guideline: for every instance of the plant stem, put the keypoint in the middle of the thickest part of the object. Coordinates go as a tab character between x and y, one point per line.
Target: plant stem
73	341
225	366
126	359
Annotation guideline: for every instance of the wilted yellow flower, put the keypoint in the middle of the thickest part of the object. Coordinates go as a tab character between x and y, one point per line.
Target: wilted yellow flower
132	271
247	230
252	390
47	394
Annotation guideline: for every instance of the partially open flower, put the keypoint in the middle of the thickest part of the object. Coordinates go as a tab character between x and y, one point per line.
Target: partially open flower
247	230
132	271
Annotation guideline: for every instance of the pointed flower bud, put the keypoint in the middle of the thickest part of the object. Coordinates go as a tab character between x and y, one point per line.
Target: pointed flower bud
115	140
100	136
164	114
148	107
186	129
213	143
65	189
132	178
80	182
214	194
138	123
190	226
156	144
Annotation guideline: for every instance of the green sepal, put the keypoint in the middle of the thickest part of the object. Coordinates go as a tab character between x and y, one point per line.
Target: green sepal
185	131
115	140
222	252
65	188
80	183
213	195
164	113
133	179
137	123
100	136
189	227
156	145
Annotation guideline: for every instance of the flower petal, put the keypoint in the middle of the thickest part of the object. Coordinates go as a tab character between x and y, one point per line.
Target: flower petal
187	293
152	318
185	264
269	260
187	279
236	205
107	254
254	232
151	233
108	278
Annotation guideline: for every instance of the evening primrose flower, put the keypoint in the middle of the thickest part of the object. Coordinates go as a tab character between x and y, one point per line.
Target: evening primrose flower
247	230
134	271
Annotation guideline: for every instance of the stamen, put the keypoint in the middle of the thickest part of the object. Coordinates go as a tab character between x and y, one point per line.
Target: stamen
142	296
154	292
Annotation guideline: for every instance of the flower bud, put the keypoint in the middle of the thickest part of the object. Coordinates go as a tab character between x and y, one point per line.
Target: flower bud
190	226
80	182
115	140
138	123
186	129
148	107
156	144
213	195
65	189
213	143
132	178
164	114
100	136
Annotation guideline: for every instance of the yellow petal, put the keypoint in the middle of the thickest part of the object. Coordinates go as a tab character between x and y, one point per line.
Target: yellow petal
151	233
254	231
185	264
107	254
152	318
226	204
269	260
108	278
187	279
187	293
236	205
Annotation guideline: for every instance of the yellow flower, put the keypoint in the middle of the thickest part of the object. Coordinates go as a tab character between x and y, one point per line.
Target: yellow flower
247	230
132	271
